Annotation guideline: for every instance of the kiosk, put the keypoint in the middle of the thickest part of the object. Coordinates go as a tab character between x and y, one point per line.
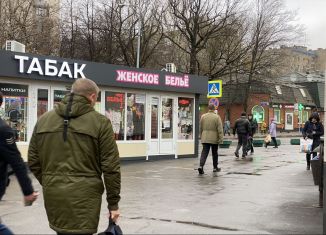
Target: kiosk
154	114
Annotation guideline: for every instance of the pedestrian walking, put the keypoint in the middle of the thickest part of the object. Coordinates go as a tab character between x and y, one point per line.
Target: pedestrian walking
313	129
71	148
227	127
10	156
272	132
253	128
211	132
242	128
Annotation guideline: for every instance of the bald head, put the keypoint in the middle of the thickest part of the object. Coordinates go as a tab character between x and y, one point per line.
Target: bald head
84	87
87	88
211	107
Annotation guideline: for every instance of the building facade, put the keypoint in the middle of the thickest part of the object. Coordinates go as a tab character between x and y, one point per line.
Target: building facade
289	104
154	114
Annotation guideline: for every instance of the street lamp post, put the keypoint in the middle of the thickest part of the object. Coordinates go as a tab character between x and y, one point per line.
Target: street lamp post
138	30
138	43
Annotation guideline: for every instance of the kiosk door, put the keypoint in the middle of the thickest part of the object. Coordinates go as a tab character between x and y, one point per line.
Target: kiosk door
161	125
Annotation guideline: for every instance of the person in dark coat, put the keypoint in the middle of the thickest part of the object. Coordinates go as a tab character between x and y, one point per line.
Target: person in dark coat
313	129
242	128
253	128
10	155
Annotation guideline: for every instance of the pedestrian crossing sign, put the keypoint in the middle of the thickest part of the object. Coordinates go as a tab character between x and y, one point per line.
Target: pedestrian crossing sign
214	89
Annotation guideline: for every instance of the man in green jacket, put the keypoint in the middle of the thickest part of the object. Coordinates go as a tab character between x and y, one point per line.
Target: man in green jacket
211	132
71	147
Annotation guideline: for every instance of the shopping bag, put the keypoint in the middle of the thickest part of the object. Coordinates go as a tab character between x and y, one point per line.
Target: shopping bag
305	145
268	138
113	229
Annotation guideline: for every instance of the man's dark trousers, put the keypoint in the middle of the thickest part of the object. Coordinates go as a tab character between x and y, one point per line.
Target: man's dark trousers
205	152
242	141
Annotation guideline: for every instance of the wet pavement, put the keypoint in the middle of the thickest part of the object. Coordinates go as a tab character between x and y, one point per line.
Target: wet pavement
268	193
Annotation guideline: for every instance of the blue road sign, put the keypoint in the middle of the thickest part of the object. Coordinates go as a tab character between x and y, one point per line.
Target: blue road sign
214	89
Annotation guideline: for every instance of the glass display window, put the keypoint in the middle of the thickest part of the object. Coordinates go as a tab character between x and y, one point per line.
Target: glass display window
185	118
167	118
303	116
136	116
14	109
58	95
42	101
277	115
115	111
97	105
258	113
154	117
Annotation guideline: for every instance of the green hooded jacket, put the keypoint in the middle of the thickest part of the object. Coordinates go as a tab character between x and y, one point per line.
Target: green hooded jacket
71	171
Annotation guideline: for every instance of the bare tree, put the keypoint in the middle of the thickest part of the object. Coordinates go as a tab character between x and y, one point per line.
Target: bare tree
195	22
34	25
271	26
225	55
150	14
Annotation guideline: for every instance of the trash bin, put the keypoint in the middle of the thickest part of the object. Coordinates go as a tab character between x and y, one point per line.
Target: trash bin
316	166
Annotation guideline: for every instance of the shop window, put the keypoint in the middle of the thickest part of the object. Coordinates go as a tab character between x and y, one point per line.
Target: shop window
167	118
154	117
303	116
42	101
277	115
136	116
258	113
115	111
97	106
185	118
58	95
14	108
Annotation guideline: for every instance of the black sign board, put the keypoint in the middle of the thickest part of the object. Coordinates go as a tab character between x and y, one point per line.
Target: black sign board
8	89
49	68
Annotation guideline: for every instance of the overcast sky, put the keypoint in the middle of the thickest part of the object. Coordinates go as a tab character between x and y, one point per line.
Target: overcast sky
312	14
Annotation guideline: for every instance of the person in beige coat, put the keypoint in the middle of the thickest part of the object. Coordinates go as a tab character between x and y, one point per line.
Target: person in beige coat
211	133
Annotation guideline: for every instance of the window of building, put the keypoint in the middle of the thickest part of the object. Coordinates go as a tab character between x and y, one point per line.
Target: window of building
258	113
167	118
14	108
58	95
136	116
303	116
277	115
115	111
185	118
278	90
303	93
154	117
41	11
42	101
97	106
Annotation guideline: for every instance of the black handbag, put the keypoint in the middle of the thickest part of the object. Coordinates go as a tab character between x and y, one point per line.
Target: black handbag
113	229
